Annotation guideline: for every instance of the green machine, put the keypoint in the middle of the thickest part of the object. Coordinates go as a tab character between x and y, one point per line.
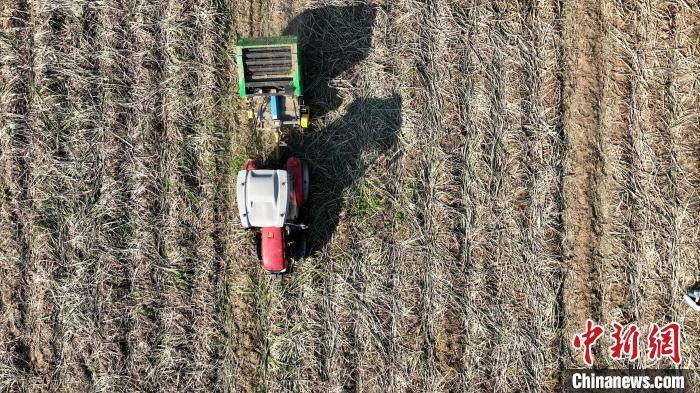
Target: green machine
270	80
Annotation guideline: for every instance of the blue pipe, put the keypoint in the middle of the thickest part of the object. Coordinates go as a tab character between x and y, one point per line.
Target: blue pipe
274	108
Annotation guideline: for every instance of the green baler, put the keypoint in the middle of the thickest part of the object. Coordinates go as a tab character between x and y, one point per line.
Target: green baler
269	75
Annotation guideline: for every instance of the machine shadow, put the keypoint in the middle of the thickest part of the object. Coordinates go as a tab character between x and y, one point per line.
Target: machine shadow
333	40
340	154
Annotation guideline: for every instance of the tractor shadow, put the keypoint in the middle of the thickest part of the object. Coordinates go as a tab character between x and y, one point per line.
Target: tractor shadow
339	151
333	40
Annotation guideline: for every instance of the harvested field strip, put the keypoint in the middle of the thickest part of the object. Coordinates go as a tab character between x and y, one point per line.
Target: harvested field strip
281	371
616	294
72	215
683	123
243	358
417	327
138	126
143	134
170	271
38	216
61	202
223	117
641	220
469	172
342	356
283	304
204	332
391	293
368	273
184	273
15	49
650	210
536	285
482	144
251	290
111	350
514	261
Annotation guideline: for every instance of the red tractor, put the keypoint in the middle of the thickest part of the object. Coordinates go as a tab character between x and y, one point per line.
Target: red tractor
274	200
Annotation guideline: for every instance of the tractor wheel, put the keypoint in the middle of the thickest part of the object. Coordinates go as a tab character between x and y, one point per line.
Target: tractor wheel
300	247
257	246
296	244
305	183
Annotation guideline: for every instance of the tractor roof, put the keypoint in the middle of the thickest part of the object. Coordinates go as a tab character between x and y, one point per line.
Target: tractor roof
263	197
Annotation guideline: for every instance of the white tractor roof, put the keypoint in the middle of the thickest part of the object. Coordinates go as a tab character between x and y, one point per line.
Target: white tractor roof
262	197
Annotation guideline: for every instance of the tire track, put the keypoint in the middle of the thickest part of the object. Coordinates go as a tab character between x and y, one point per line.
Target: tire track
237	360
247	296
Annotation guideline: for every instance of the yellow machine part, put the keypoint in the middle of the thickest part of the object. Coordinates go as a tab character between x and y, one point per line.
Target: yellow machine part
304	121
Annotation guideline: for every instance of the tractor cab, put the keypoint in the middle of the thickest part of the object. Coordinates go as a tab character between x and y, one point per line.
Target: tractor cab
271	199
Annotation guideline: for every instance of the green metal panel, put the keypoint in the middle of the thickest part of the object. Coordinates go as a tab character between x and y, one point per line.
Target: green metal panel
296	54
260	42
241	72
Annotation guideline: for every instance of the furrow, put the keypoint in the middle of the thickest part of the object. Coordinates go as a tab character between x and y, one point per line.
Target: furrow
582	167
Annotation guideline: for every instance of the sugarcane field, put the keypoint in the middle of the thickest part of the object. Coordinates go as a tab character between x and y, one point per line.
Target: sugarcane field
349	195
